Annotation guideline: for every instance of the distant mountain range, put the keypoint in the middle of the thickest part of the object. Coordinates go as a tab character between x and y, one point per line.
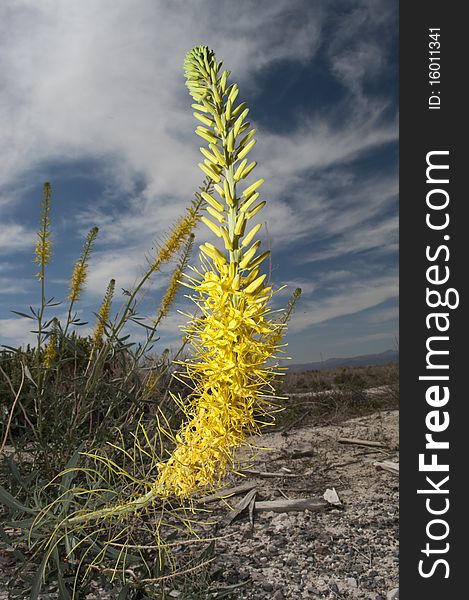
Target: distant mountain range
388	356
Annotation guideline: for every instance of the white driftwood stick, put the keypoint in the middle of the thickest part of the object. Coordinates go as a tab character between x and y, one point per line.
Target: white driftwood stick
387	465
270	475
359	442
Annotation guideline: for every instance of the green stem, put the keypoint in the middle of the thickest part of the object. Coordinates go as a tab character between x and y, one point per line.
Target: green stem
113	511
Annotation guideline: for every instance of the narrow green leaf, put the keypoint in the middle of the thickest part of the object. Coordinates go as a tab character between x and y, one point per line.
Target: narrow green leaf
21	314
69	470
9	500
64	593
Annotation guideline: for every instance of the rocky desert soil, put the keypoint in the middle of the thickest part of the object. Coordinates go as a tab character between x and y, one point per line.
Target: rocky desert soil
339	552
345	551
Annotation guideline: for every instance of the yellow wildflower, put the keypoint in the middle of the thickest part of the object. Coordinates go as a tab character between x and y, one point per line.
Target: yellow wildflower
173	287
103	313
50	351
80	269
43	248
236	335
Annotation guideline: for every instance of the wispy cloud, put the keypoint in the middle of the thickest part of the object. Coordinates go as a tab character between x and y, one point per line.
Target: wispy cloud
347	300
14	330
15	237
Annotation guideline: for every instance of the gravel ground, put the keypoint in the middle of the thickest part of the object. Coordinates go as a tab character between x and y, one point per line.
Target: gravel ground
344	552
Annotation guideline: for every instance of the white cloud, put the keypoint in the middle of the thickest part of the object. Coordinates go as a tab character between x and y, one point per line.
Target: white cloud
15	237
105	79
11	285
127	268
17	331
382	315
371	337
347	300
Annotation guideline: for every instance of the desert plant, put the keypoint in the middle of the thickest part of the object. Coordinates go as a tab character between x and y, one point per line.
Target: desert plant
72	387
119	507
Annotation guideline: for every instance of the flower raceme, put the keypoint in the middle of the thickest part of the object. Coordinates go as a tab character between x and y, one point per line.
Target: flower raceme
235	336
43	249
103	313
80	269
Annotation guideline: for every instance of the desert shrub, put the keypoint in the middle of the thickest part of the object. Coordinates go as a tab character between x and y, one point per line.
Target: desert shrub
348	379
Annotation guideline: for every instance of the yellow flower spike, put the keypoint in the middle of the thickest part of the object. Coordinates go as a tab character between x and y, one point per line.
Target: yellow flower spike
80	270
44	245
50	351
231	341
103	314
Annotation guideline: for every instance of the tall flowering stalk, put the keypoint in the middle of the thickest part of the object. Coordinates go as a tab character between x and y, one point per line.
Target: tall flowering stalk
103	314
50	351
236	335
42	252
42	256
80	270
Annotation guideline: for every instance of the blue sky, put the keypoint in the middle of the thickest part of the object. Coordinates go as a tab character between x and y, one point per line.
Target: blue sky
92	99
